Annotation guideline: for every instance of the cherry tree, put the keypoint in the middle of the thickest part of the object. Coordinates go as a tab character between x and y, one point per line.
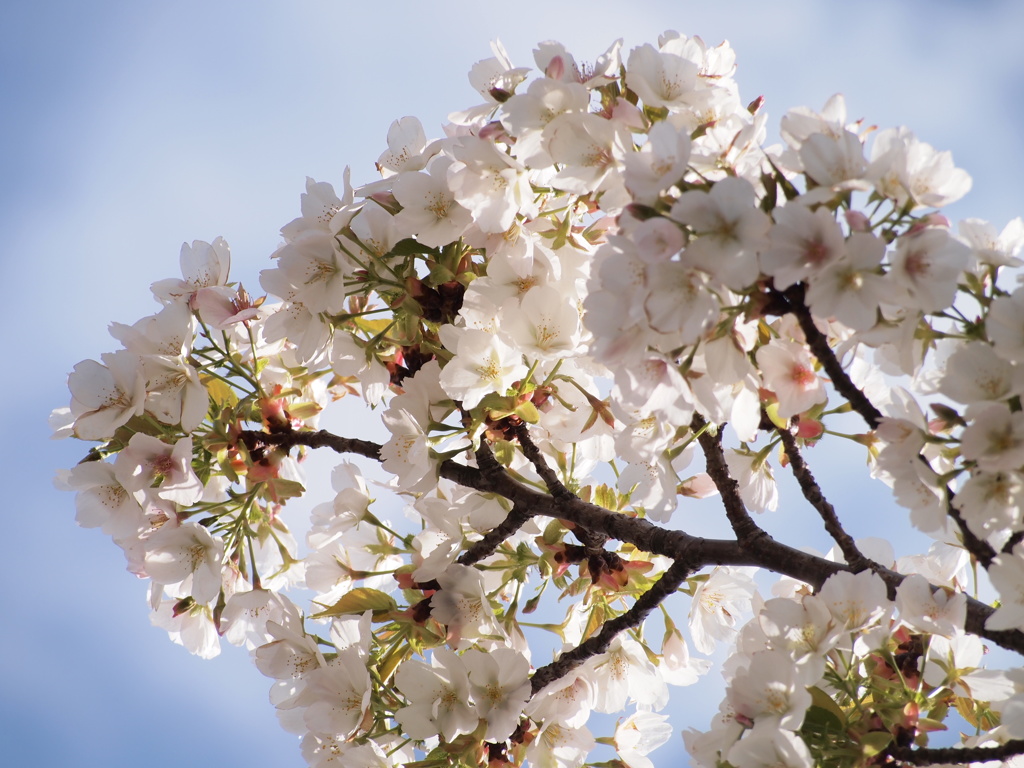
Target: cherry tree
599	299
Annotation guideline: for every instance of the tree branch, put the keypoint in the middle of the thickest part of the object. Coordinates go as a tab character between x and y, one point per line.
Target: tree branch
930	756
697	552
478	550
599	643
812	492
794	298
591	540
747	531
981	549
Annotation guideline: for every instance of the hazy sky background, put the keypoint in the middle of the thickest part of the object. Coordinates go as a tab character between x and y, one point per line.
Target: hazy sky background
129	127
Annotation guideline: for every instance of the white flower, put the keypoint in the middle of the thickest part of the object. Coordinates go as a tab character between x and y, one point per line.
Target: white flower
336	696
429	209
770	690
679	302
927	265
717	605
910	171
500	687
676	666
624	673
659	165
438	697
177	552
994	438
191	627
730	231
560	746
803	628
406	142
640	734
957	661
933	612
992	248
788	371
588	147
147	460
202	265
1005	326
320	207
105	396
103	502
526	115
770	747
462	605
245	616
661	78
992	504
756	481
545	324
317	269
492	186
857	601
482	364
974	373
834	159
851	288
1007	574
802	243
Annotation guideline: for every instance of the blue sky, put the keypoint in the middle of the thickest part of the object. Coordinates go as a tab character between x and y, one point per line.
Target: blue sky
127	128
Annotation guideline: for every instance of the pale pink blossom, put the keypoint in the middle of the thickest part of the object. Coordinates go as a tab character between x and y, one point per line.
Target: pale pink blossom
177	552
147	461
788	371
105	396
730	231
930	610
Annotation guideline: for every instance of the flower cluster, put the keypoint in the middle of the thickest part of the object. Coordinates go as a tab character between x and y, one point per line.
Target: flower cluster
557	306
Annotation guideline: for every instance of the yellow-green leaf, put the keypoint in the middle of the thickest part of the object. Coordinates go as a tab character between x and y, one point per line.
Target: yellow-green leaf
360	600
873	743
220	392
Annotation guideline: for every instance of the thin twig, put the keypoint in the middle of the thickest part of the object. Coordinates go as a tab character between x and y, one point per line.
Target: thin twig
591	540
981	549
599	643
747	531
478	550
823	352
812	492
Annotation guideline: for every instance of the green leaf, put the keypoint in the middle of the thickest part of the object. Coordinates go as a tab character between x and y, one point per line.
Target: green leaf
528	412
409	247
606	497
278	489
824	711
504	452
874	742
594	621
220	392
359	601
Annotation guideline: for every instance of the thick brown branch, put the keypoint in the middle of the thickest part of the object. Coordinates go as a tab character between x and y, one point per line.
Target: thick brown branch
599	643
812	492
934	756
697	552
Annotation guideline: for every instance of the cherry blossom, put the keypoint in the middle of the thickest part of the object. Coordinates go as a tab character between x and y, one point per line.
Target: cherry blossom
600	320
